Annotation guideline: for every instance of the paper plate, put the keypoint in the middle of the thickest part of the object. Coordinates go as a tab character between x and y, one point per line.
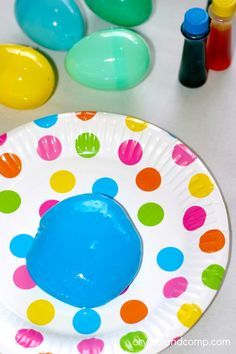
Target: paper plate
172	199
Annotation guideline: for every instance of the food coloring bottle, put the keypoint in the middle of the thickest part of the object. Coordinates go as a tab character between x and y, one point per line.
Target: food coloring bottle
219	43
193	72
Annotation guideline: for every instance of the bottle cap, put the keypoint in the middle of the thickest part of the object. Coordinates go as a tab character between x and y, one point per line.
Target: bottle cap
196	21
223	8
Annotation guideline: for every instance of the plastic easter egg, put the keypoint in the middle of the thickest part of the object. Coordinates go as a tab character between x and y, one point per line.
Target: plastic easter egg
110	59
122	12
54	24
27	79
87	251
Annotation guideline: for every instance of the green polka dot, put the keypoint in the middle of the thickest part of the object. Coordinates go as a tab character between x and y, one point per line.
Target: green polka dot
87	145
212	276
134	342
150	214
9	201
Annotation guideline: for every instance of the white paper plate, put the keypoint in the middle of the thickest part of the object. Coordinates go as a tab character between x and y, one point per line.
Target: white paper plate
173	201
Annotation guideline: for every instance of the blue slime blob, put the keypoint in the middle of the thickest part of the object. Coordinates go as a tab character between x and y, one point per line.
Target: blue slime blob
86	252
54	24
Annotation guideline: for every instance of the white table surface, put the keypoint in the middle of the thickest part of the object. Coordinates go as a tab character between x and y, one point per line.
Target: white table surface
203	118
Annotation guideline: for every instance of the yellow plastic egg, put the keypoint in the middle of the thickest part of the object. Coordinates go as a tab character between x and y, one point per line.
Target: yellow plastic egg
27	78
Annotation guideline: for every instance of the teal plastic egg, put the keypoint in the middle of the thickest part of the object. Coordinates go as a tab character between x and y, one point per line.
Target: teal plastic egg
54	24
110	59
122	12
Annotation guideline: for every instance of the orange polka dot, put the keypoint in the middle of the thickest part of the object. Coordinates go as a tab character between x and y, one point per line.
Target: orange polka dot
148	179
133	311
10	165
85	115
212	241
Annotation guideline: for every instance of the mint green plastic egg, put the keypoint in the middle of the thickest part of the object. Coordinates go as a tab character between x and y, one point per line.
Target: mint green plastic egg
110	59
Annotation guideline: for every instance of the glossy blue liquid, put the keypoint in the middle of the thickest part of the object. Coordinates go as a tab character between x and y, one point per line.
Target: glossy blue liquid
86	252
54	24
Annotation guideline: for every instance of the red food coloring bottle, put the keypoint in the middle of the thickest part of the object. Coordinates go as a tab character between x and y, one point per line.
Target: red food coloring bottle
219	43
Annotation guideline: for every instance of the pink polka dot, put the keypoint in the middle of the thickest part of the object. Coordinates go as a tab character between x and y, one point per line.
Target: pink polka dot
130	152
28	338
182	156
3	138
91	346
194	218
22	278
49	147
175	287
46	206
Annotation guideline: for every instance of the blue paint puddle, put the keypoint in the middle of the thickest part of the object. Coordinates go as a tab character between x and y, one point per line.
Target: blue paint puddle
86	252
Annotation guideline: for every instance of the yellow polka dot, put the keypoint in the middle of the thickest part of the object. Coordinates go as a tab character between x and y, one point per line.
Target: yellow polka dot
62	181
40	312
136	125
189	314
200	185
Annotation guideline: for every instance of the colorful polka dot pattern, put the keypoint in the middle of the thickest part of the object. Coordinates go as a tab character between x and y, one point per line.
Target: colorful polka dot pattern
10	201
170	259
107	186
133	311
87	145
90	346
86	321
189	314
3	138
62	181
135	125
10	165
175	287
22	279
212	241
134	342
200	186
148	180
130	152
20	245
49	147
46	122
45	206
85	115
182	156
213	276
29	338
40	312
150	214
194	218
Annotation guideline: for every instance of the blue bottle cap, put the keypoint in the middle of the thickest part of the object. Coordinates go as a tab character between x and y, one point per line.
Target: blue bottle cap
196	21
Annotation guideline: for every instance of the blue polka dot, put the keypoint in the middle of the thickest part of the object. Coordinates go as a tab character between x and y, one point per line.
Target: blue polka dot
170	259
20	245
46	122
86	321
106	186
